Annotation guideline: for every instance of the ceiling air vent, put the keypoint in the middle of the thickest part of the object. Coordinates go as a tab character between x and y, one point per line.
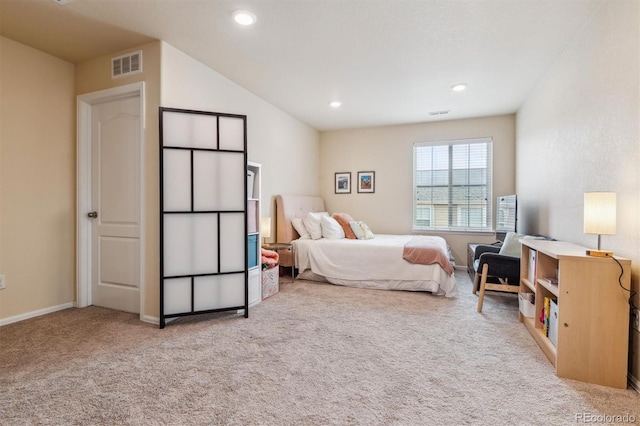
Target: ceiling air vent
130	63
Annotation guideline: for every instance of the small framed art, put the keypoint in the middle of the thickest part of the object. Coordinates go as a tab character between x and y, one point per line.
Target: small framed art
343	183
367	182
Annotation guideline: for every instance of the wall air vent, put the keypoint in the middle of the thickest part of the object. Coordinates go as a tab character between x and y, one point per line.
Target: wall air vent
131	63
439	112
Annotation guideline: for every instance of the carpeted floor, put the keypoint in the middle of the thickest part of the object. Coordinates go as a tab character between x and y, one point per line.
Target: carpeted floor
314	354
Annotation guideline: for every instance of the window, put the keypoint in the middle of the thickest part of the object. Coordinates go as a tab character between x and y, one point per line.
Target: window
423	216
452	185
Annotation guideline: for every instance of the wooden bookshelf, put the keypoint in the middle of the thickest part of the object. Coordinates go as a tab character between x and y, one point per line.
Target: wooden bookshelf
593	310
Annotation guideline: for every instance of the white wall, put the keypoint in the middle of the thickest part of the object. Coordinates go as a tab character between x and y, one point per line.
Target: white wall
578	131
286	148
388	151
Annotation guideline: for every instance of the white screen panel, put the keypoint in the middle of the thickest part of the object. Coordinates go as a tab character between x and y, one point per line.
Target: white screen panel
232	133
205	132
176	180
189	130
177	296
219	181
190	244
218	292
232	251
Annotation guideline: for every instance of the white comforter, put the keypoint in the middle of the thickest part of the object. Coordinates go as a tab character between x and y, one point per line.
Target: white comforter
375	263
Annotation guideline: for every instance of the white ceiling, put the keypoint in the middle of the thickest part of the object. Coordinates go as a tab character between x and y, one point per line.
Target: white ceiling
388	61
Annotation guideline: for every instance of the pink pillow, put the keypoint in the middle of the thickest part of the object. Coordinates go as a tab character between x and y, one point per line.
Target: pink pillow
343	219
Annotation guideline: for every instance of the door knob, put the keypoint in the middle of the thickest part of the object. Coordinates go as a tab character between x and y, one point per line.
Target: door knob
92	215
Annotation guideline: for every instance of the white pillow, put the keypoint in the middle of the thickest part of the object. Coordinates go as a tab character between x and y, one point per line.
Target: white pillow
361	230
331	229
355	227
312	223
511	244
299	227
368	235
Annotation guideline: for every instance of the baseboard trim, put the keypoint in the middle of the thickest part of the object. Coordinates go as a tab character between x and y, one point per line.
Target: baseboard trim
151	320
33	314
633	383
39	312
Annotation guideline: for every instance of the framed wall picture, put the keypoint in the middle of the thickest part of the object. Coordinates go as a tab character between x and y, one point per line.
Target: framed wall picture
367	182
343	183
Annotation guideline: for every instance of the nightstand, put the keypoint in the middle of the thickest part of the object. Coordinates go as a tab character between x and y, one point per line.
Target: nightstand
471	253
284	247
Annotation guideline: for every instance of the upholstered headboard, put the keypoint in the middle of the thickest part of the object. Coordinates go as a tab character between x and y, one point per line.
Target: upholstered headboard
289	207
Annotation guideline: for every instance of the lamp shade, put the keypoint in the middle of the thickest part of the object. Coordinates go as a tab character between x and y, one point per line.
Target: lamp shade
265	227
600	213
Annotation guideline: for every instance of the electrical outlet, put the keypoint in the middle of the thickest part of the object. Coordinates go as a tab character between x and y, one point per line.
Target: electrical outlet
3	282
636	320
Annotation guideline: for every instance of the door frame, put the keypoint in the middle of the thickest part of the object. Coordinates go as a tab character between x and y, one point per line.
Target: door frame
83	189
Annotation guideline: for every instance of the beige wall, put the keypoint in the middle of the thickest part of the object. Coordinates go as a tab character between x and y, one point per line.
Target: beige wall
389	152
37	180
578	131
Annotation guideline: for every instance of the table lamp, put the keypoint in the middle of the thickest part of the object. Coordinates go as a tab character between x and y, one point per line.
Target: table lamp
600	217
265	229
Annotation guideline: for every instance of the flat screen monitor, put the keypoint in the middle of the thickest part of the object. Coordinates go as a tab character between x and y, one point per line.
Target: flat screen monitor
507	210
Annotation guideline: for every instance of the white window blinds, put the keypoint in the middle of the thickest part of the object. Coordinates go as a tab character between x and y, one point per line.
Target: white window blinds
452	185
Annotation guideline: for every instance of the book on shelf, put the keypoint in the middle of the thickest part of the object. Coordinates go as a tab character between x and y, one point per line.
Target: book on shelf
550	280
553	323
532	267
545	316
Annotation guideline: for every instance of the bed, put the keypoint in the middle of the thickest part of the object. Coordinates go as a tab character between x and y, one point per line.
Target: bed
379	262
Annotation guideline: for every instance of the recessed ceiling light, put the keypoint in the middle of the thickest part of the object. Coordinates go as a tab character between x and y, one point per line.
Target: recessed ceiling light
459	87
335	104
244	17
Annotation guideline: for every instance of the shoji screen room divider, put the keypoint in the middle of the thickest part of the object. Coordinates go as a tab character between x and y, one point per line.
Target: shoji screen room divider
203	213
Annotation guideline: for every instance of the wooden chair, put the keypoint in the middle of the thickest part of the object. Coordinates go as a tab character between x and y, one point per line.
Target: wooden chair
503	269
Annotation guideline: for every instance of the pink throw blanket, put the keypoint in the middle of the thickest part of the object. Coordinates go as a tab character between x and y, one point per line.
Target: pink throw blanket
418	250
269	258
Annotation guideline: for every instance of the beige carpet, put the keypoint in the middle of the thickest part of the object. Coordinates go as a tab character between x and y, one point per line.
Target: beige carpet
314	354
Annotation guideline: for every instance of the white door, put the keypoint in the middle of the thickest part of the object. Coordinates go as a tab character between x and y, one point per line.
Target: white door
115	204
